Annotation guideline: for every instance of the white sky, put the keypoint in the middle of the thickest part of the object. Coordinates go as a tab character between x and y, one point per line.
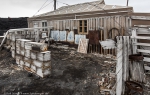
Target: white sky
27	8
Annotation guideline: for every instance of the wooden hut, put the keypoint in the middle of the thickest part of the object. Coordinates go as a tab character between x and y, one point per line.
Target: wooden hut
93	20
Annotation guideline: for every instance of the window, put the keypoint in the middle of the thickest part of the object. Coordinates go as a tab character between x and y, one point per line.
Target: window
83	26
44	24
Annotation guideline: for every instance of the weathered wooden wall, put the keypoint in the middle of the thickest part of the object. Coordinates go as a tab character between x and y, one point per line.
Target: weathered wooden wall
103	24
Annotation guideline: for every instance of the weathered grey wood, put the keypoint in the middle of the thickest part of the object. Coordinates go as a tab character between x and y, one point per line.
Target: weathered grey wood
5	36
44	56
83	45
41	64
119	69
33	55
43	72
27	53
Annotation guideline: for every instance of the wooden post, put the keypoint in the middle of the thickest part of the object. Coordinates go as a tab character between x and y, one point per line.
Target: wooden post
54	4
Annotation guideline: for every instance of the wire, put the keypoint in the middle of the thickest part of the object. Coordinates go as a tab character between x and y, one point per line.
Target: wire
57	5
63	3
47	5
52	7
43	6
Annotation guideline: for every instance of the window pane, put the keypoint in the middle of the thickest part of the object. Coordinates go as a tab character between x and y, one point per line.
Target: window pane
45	24
85	29
42	24
80	29
80	22
85	22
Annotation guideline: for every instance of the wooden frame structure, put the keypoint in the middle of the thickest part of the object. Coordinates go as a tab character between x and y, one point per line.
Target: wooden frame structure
98	16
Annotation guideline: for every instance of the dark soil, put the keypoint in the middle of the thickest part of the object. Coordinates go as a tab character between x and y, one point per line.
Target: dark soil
72	74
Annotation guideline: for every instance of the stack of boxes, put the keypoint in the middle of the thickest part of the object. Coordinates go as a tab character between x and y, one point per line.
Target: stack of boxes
40	58
31	56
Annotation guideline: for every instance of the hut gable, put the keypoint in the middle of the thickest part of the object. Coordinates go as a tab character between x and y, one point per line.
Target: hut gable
81	8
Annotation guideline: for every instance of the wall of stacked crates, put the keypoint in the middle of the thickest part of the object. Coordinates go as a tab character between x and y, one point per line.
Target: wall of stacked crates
30	56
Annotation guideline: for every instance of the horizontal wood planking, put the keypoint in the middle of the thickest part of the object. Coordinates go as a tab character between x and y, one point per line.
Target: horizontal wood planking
143	31
141	37
141	44
143	51
146	59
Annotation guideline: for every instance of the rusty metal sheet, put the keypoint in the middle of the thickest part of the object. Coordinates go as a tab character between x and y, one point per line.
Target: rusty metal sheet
134	87
94	37
136	57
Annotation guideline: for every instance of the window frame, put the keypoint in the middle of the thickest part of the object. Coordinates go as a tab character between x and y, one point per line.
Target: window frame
83	27
44	24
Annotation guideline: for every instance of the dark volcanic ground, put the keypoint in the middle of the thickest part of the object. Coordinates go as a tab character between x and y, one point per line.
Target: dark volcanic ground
72	74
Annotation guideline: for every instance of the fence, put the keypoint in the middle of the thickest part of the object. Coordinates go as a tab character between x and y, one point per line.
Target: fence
122	67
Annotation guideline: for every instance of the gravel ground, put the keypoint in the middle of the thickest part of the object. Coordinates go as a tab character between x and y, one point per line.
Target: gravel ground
72	74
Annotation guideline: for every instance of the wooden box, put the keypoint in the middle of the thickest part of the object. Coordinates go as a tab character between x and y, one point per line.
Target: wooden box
18	42
44	56
13	38
43	72
27	53
13	53
27	62
42	64
40	47
33	55
23	41
18	50
22	51
18	58
17	61
28	45
36	46
33	67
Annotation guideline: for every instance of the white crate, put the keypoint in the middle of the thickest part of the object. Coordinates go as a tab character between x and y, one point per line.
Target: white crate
22	52
40	46
44	56
43	72
27	64
18	60
33	67
13	53
18	50
21	62
13	38
28	45
23	41
27	53
41	63
33	55
27	60
18	42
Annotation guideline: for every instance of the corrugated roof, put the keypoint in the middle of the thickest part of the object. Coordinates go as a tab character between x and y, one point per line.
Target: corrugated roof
82	7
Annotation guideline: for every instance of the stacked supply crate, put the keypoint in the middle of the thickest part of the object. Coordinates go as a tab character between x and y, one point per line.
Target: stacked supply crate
20	51
31	56
12	38
37	54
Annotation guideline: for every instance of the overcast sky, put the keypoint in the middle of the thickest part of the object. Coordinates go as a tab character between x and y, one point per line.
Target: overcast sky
28	8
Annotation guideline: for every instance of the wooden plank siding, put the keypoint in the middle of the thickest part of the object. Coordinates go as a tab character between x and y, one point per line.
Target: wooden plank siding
101	23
